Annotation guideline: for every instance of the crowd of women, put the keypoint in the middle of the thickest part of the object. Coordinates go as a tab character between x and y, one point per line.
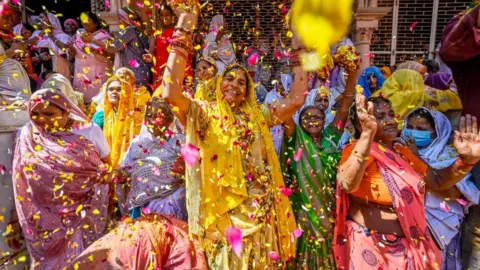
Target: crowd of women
143	152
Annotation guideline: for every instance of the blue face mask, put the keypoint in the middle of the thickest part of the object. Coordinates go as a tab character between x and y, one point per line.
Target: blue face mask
422	137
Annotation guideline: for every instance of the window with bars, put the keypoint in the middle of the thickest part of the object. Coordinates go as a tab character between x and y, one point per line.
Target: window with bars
253	24
406	32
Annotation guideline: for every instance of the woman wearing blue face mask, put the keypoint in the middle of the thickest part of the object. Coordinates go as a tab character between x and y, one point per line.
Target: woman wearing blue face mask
427	132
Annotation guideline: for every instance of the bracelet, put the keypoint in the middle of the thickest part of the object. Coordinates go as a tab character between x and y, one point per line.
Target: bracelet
187	46
183	30
179	53
462	164
358	156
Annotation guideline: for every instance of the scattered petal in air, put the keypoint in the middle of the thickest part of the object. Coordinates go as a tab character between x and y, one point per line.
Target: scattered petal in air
297	232
370	55
3	169
298	154
286	191
234	238
107	4
413	25
462	201
444	206
273	255
253	59
190	154
133	63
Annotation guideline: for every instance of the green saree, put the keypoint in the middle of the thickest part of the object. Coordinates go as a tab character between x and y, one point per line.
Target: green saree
312	179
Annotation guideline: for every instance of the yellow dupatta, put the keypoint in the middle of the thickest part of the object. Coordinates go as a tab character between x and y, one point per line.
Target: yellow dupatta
206	89
406	90
216	184
122	126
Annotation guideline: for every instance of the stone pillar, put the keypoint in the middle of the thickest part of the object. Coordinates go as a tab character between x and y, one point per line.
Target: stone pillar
367	17
110	15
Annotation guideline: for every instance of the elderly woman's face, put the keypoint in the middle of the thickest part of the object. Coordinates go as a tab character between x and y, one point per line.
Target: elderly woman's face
234	87
49	117
312	121
114	90
205	71
44	19
322	101
387	125
158	117
124	75
70	27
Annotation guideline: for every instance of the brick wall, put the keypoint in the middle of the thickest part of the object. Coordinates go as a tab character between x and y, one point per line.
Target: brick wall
411	11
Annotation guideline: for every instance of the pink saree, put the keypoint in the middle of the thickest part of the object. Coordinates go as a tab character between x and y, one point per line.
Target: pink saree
150	242
60	207
90	69
356	248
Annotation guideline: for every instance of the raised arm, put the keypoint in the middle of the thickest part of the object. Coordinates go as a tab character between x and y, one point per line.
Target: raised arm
348	97
171	88
283	110
467	143
461	37
350	174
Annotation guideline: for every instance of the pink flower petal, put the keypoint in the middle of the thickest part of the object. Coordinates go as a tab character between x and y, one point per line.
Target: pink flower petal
444	206
340	124
140	5
3	169
297	232
277	54
234	238
462	201
107	4
133	63
413	25
298	154
190	154
253	59
273	255
286	191
370	55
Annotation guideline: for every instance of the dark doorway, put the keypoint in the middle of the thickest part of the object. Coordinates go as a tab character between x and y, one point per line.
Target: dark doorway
68	8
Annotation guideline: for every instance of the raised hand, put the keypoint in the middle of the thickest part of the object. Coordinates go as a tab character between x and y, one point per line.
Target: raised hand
467	140
366	116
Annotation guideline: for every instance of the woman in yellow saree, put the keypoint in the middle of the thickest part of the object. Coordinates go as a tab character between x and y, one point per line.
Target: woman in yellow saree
406	90
235	181
122	118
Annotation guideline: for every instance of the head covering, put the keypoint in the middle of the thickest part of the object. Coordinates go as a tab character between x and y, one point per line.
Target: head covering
71	21
363	80
154	167
14	80
46	42
69	166
205	90
58	81
223	164
439	80
131	17
122	125
386	71
310	101
406	91
17	30
224	49
434	153
412	65
273	95
54	21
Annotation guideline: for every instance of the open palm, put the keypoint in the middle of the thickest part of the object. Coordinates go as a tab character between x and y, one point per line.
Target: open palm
467	140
